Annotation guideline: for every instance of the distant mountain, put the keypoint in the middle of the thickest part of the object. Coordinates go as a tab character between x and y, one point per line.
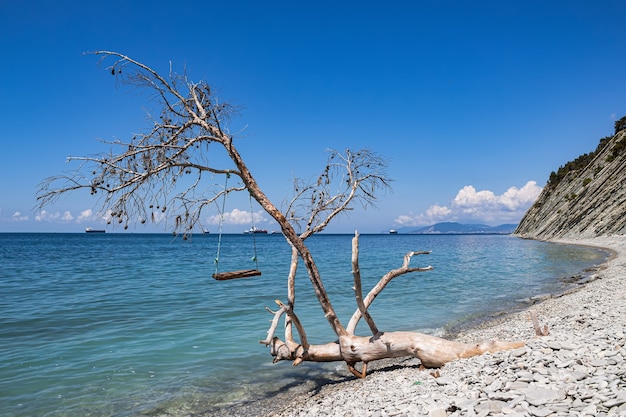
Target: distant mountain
451	228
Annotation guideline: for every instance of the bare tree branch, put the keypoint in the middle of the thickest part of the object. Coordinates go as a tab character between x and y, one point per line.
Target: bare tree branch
294	318
272	330
386	279
291	292
358	292
354	176
152	172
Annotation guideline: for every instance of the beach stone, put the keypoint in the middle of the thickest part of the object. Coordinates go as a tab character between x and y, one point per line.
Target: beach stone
541	396
563	364
614	402
567	345
590	410
516	402
442	380
525	376
413	410
574	376
609	353
519	352
496	385
438	412
553	344
539	411
518	385
501	395
598	363
490	406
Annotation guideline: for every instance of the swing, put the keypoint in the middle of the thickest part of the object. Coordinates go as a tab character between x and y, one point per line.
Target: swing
242	273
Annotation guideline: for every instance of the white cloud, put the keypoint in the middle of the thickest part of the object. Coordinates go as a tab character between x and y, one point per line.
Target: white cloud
237	217
19	217
405	220
85	215
438	211
45	216
482	206
468	198
516	198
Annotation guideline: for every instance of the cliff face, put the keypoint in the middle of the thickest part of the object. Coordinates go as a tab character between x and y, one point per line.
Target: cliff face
587	202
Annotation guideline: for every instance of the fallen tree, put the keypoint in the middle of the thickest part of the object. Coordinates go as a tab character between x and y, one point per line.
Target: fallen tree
433	352
158	173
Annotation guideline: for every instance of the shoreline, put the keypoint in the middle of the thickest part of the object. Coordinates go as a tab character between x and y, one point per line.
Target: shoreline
556	373
572	284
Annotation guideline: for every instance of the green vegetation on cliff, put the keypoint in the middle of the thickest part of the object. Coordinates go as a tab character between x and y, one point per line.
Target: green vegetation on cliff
583	160
586	197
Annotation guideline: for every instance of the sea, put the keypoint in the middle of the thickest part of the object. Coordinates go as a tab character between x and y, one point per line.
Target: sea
125	325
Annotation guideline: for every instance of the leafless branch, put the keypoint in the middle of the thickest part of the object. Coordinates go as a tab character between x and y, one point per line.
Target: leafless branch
273	326
358	292
382	283
291	292
158	173
349	177
294	318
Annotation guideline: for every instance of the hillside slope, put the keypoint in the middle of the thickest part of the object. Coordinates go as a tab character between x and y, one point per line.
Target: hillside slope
586	202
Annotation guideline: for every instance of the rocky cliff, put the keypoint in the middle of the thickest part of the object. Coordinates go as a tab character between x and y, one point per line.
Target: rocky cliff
586	202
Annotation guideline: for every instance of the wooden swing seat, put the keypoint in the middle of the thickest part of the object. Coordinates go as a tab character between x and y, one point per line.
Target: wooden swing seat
243	273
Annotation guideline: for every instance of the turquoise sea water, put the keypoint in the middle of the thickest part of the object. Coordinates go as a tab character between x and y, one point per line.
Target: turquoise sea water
133	324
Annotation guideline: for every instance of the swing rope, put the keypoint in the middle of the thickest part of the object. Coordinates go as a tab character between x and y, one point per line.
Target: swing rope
219	238
244	273
252	230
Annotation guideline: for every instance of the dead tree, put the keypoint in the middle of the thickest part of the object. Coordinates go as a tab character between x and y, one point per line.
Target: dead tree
159	173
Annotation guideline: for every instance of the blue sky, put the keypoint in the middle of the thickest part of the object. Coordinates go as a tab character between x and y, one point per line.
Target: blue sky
473	103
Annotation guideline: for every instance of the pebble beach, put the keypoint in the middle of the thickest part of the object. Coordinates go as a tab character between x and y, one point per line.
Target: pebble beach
578	368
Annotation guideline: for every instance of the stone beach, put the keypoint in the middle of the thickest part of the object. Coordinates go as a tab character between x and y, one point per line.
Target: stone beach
578	369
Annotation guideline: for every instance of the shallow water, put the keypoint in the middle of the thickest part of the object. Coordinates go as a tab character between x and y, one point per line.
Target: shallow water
132	324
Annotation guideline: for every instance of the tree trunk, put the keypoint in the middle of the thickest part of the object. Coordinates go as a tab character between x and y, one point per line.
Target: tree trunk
433	352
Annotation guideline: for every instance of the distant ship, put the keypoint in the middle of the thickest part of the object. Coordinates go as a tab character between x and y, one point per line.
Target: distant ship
90	230
255	230
393	232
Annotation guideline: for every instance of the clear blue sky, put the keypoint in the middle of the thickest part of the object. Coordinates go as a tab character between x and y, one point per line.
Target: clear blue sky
474	103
